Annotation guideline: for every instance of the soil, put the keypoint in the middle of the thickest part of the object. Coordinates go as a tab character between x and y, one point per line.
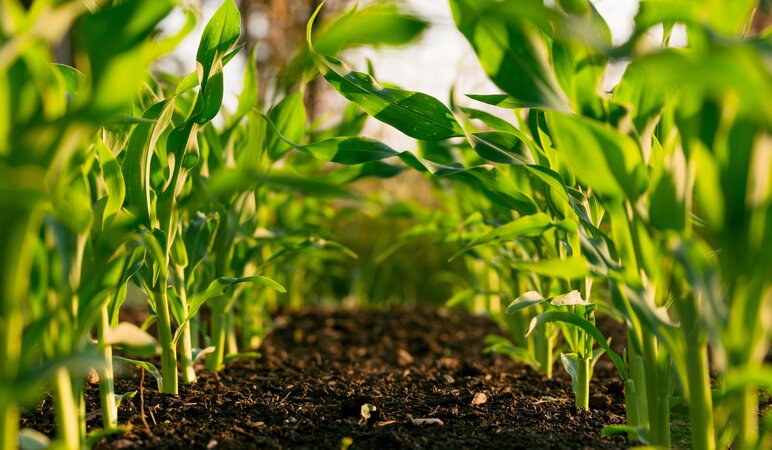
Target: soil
319	367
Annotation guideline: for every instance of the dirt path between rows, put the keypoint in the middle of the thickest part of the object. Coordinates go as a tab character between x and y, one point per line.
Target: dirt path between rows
424	372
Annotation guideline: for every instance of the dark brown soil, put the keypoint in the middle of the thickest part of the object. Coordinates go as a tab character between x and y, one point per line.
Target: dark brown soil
319	367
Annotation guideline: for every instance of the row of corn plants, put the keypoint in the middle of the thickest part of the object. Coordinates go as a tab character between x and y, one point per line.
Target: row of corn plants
650	202
113	178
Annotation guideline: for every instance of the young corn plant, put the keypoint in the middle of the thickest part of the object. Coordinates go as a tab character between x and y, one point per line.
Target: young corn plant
576	320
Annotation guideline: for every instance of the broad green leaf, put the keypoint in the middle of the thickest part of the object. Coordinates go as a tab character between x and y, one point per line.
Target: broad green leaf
501	147
667	207
113	178
133	339
459	297
528	299
73	78
500	100
114	40
603	158
228	182
587	326
350	150
526	226
571	268
136	162
418	115
507	39
494	122
579	57
248	95
219	37
288	118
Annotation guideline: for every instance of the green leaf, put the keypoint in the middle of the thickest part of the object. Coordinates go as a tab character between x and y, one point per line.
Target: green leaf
501	147
527	226
503	345
500	100
571	268
227	182
507	39
587	326
219	37
639	433
667	208
217	288
132	339
150	368
73	78
113	178
288	118
350	150
418	115
609	162
526	300
114	40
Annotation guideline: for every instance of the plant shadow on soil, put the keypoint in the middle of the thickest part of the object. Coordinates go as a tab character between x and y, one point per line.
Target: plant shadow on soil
319	367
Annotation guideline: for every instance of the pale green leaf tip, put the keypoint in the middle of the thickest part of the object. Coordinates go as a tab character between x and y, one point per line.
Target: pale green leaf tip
310	27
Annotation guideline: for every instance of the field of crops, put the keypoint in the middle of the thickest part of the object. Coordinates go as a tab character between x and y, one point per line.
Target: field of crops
566	266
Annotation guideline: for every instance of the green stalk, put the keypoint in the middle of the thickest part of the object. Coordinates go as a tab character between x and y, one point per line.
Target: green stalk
658	407
214	360
543	343
186	342
631	403
583	376
700	400
9	427
168	349
17	231
639	415
67	414
10	350
744	410
106	385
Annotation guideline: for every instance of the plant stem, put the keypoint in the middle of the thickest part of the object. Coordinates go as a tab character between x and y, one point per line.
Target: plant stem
543	344
67	427
186	343
168	349
106	385
745	413
214	359
658	408
583	376
9	427
700	400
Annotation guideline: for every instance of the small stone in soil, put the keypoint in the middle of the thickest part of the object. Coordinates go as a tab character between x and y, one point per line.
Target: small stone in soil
479	398
427	421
